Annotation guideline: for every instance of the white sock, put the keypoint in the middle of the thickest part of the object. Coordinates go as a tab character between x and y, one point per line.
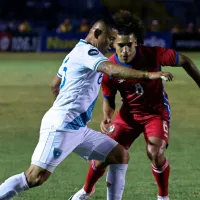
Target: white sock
116	181
13	186
163	198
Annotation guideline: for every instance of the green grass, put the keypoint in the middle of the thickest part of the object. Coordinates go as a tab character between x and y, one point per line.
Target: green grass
25	97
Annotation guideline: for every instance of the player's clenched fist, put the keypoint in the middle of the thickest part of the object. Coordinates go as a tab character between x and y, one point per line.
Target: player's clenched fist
105	125
166	76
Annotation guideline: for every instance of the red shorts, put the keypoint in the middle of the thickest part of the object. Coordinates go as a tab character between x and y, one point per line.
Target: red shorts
126	129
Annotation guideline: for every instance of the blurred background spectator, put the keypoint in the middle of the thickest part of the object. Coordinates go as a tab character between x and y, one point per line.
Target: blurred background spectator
190	28
65	26
24	27
176	28
67	15
155	26
84	27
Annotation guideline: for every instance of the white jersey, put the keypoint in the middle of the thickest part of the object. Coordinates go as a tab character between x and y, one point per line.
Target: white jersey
80	85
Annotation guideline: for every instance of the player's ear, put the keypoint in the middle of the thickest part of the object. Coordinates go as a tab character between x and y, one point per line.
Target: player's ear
97	33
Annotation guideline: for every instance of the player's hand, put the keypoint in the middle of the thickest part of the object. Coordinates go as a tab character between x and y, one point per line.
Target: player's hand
105	125
166	76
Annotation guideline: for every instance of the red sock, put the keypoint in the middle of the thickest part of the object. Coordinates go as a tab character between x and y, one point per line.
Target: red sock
162	176
93	176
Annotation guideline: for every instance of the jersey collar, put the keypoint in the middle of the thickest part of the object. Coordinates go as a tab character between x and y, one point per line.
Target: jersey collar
84	41
121	63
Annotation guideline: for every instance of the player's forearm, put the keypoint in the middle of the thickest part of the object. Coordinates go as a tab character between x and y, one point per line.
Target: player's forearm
108	110
55	86
119	71
55	92
191	69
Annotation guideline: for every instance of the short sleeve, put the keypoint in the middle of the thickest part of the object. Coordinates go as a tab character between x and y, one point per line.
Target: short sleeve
59	74
166	57
92	57
60	71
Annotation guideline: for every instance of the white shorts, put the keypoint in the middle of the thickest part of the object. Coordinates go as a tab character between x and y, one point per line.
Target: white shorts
55	145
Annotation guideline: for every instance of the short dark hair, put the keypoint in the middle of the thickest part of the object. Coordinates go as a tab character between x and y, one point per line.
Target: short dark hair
106	18
127	23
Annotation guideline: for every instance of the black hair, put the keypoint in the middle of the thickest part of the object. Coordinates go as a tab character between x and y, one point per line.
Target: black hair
127	23
105	17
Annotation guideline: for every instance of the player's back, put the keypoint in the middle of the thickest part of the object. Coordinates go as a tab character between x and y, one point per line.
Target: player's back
80	84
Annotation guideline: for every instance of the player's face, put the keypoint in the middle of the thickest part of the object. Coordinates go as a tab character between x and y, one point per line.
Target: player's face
125	47
105	40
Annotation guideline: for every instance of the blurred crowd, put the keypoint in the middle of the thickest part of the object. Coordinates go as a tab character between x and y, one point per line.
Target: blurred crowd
65	26
83	25
76	15
177	28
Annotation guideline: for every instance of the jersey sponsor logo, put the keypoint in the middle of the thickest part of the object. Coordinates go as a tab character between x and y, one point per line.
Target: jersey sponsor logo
93	52
57	153
111	129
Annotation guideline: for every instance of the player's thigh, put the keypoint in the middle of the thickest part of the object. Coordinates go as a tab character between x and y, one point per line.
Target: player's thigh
95	145
157	127
124	134
54	146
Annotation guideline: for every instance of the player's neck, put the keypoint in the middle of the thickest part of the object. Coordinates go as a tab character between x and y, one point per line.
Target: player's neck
91	41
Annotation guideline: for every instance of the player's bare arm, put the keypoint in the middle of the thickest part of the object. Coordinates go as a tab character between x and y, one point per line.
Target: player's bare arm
115	70
108	112
55	86
190	68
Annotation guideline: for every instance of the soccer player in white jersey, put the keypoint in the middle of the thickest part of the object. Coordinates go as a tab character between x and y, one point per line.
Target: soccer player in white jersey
63	127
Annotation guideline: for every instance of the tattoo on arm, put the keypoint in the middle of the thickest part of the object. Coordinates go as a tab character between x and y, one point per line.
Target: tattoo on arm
119	71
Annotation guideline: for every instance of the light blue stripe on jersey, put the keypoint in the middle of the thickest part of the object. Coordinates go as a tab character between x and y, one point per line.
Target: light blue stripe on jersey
98	63
166	103
59	75
84	41
177	58
82	119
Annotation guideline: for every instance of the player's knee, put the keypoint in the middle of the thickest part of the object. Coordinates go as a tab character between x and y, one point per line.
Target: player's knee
99	164
123	157
36	176
119	155
154	152
155	148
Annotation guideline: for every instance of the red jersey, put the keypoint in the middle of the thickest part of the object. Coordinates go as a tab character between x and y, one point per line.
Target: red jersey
142	96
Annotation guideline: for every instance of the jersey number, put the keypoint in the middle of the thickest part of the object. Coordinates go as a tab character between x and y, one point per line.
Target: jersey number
139	89
64	77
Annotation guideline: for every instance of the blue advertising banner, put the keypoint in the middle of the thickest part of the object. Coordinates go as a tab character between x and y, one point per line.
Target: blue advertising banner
162	39
186	41
65	42
27	42
60	42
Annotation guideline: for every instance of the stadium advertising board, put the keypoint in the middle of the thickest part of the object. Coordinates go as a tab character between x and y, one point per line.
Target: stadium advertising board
186	41
63	42
162	39
5	41
24	42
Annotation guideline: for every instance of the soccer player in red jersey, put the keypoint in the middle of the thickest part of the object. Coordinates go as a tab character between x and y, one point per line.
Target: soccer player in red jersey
145	106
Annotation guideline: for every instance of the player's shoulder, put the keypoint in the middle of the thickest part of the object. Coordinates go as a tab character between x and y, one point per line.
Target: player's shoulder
145	49
148	50
112	58
86	47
